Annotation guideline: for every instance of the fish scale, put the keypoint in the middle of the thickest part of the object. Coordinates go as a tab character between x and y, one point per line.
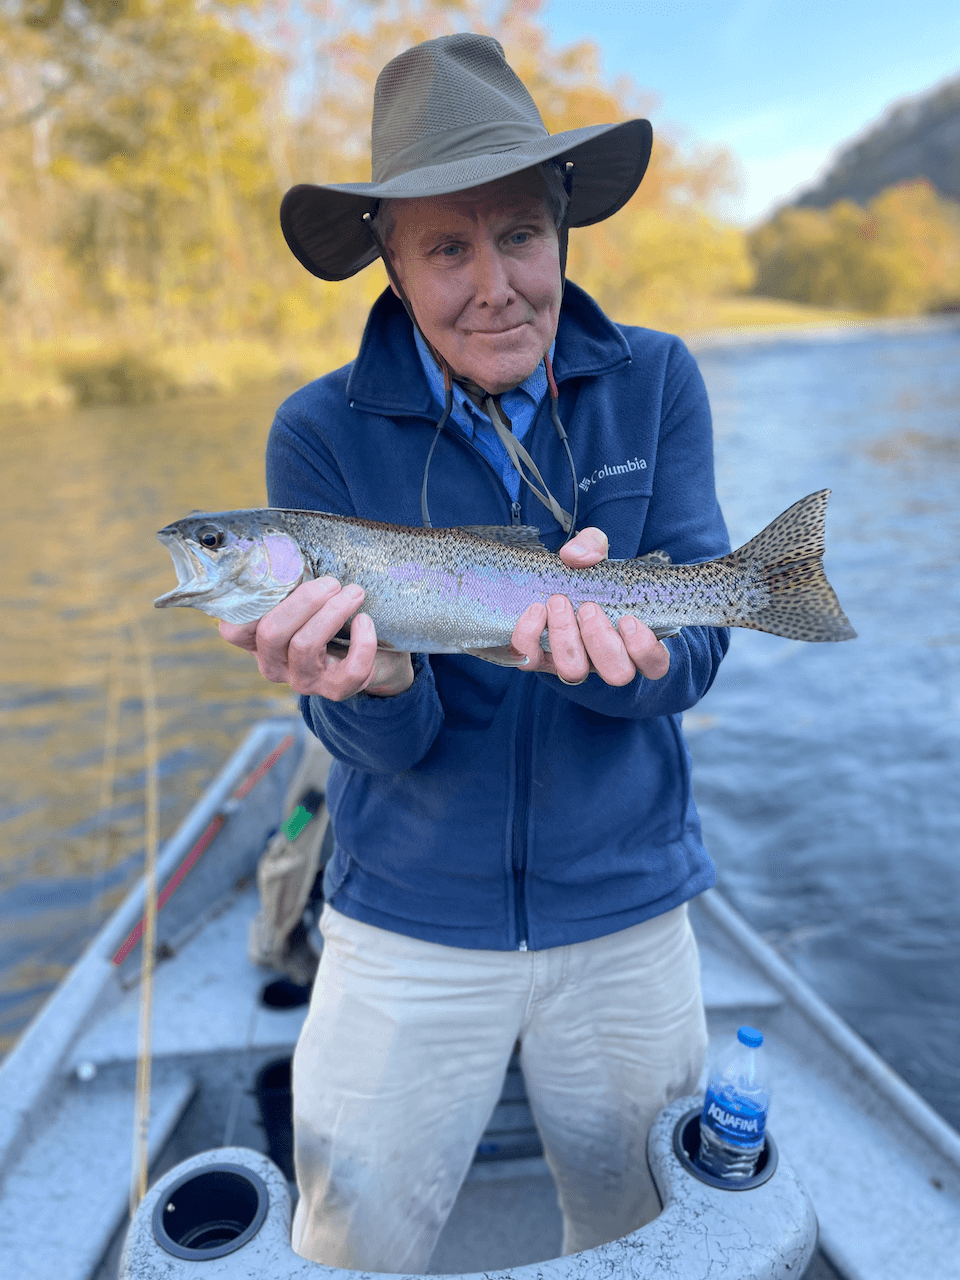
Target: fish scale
462	590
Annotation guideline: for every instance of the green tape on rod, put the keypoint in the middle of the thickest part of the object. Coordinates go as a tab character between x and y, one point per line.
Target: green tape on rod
296	822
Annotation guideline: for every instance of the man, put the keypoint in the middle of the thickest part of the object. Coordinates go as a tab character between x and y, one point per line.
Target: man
515	846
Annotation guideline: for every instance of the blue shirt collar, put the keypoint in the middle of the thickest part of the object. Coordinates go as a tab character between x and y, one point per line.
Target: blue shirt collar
520	402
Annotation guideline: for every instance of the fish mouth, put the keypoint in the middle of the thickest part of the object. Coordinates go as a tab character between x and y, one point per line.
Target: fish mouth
194	581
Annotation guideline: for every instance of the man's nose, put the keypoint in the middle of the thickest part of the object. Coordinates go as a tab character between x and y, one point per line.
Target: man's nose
491	276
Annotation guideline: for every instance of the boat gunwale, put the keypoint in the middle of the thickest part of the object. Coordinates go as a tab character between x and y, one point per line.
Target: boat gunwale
34	1067
907	1103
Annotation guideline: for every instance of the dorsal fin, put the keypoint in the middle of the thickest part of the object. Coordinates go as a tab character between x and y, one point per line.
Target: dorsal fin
656	557
526	536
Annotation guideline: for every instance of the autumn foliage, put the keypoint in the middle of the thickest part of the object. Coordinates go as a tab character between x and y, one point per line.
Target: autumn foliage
145	145
898	256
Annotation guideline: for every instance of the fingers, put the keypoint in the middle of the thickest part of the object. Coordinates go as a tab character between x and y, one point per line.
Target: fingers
585	641
336	674
526	639
290	645
650	656
566	642
292	638
392	674
589	547
243	634
310	668
604	646
361	667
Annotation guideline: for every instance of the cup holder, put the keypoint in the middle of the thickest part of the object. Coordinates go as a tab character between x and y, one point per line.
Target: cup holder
686	1144
210	1212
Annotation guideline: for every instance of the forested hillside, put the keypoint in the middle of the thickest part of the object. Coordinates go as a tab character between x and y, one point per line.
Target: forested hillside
144	148
881	232
915	139
898	256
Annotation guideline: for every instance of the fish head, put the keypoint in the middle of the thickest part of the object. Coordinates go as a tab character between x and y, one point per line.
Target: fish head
234	565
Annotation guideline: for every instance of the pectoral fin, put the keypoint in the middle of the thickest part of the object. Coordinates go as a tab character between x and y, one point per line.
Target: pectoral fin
342	638
503	655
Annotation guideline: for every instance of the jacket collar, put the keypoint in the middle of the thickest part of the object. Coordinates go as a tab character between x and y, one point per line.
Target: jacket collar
387	376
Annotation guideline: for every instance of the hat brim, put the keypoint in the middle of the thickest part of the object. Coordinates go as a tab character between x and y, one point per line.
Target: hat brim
323	224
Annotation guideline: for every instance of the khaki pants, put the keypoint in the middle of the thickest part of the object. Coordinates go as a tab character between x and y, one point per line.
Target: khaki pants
403	1056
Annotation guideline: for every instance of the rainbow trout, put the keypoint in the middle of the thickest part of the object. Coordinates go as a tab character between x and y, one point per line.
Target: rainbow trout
461	590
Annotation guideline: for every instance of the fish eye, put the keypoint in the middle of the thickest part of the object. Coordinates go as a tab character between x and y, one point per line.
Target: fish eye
210	537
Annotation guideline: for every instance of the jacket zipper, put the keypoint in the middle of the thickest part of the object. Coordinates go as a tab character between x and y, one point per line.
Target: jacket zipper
524	749
468	444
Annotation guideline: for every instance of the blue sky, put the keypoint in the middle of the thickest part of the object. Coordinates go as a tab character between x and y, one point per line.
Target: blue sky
782	83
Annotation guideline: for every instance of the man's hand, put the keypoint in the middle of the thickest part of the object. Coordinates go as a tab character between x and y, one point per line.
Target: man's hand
585	641
290	645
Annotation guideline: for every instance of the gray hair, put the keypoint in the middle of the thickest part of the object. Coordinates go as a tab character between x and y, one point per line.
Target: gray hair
555	196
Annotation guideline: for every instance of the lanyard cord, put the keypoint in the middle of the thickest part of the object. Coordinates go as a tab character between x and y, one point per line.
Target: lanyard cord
441	363
558	427
447	410
517	454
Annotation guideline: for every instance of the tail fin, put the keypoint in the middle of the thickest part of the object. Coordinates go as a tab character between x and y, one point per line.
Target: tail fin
788	555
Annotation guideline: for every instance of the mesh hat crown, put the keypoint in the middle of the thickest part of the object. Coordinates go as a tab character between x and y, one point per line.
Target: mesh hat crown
450	114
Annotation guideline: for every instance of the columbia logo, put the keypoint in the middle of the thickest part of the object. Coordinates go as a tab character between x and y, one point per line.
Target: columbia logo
618	469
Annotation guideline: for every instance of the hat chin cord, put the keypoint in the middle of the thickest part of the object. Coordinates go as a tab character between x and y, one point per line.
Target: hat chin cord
491	403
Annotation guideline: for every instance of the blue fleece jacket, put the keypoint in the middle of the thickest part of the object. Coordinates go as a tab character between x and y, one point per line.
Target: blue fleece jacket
487	807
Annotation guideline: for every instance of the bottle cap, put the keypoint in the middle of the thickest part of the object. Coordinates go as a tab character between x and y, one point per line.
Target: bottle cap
750	1036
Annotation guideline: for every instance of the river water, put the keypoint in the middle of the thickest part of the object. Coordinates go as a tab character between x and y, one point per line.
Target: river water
828	776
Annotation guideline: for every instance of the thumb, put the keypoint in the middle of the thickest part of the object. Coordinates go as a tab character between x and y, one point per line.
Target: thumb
589	547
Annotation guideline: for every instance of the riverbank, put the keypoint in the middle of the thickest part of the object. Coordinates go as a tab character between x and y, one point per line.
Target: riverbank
100	369
851	329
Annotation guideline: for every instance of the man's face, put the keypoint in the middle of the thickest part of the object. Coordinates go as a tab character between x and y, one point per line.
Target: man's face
482	271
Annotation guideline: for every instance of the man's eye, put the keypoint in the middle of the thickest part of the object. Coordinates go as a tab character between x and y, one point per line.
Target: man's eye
449	250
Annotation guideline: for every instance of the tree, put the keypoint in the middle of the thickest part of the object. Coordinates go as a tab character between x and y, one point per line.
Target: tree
898	256
152	191
144	146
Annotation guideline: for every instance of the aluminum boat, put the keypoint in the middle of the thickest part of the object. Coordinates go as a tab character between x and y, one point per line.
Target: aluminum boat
862	1181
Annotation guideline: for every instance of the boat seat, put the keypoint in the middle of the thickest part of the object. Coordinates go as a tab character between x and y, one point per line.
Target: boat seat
765	1233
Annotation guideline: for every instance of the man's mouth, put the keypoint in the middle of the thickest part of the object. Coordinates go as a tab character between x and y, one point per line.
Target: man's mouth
493	333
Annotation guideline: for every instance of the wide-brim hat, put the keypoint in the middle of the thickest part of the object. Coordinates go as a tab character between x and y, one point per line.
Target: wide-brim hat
450	114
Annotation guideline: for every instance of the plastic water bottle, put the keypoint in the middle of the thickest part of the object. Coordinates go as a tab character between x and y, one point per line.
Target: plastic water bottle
735	1110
